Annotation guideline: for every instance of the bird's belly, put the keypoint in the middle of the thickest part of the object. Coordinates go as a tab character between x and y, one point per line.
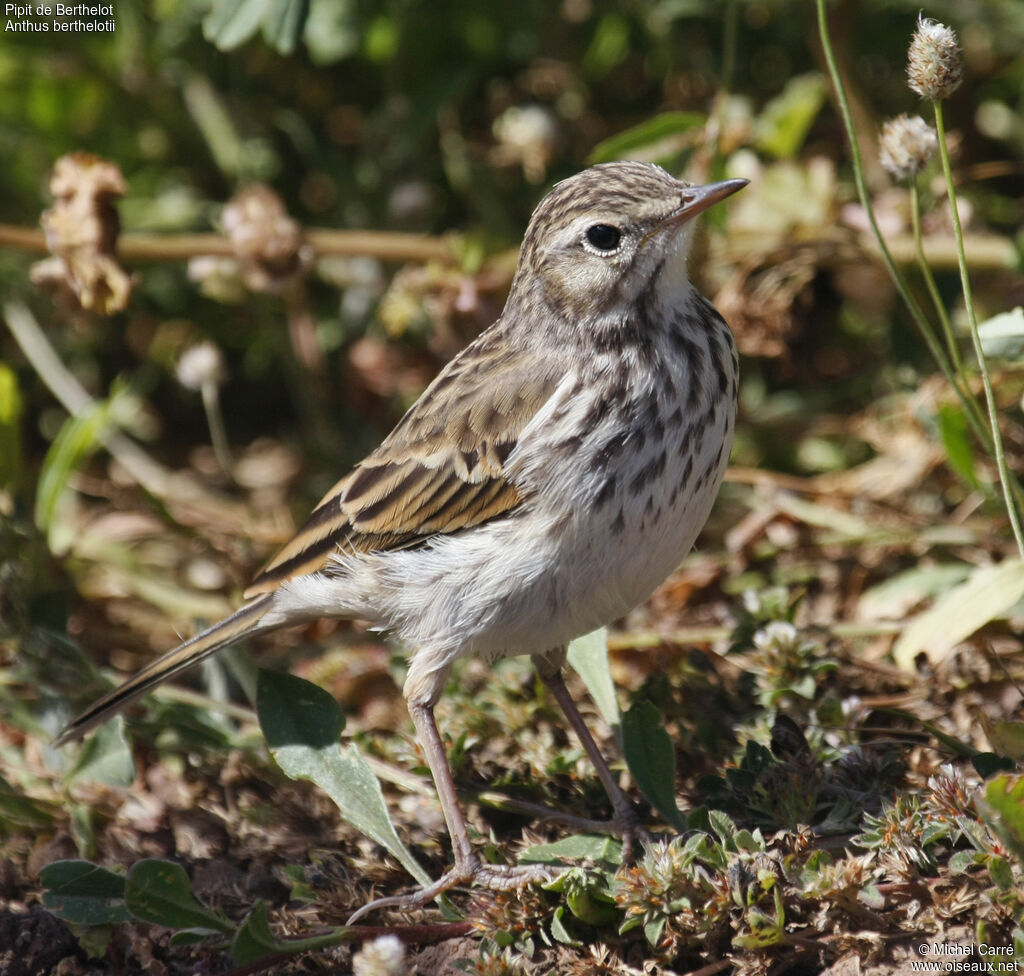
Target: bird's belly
598	554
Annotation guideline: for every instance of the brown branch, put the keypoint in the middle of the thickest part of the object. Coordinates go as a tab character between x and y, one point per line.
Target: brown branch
985	251
385	245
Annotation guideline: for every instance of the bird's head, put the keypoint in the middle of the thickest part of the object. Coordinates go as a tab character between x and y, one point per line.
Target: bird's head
607	236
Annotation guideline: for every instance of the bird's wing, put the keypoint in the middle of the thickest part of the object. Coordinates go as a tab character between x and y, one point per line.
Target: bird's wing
440	470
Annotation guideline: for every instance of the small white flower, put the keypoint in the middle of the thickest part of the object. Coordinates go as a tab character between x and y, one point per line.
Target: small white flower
777	637
384	956
200	366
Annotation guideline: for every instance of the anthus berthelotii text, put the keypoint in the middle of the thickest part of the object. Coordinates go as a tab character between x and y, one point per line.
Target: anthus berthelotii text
552	475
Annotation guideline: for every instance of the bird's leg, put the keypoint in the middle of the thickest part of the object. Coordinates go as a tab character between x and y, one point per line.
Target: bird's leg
625	821
468	868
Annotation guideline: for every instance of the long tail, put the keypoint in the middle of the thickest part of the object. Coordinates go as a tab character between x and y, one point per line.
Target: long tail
240	624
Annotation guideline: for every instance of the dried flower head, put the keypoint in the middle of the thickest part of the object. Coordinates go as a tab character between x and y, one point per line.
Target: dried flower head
907	143
934	68
269	245
81	232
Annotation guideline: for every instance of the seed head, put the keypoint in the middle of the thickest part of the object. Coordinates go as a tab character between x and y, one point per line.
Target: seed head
201	365
934	69
907	143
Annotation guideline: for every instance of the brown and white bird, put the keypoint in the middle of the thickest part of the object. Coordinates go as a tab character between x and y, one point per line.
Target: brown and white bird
545	483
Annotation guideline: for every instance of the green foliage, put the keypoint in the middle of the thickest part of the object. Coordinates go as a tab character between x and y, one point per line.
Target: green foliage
83	893
588	656
159	892
650	756
662	136
302	724
105	757
231	23
783	125
11	408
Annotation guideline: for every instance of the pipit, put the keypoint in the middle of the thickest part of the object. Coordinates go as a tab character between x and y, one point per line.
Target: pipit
545	483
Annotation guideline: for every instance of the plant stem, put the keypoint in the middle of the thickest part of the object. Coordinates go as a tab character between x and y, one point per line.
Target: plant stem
218	432
929	280
970	406
972	320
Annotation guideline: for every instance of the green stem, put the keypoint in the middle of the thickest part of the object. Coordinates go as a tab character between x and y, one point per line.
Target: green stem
970	406
218	432
929	280
1005	478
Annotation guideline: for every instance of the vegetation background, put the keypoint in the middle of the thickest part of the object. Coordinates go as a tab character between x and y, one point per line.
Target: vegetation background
231	391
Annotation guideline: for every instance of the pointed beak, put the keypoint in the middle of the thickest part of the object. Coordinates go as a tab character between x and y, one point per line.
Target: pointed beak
697	199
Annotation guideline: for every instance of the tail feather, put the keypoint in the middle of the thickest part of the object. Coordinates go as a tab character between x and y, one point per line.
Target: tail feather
241	623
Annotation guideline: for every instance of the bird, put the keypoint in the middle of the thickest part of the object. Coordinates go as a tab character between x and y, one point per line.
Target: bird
545	483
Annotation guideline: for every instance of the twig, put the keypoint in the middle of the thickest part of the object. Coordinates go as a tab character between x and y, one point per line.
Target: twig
385	245
987	251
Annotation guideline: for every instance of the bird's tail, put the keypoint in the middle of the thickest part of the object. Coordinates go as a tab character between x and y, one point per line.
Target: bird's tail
229	630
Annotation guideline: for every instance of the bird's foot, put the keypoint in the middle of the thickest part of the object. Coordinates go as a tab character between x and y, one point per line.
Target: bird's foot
472	871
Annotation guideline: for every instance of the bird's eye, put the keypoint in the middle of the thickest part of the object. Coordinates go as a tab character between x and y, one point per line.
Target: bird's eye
604	237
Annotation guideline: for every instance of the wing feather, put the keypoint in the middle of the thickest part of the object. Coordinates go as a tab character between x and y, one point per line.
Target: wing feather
440	470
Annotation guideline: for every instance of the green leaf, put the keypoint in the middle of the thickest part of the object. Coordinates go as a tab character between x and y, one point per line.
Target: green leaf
660	129
1004	797
986	595
588	656
76	441
987	764
558	930
1006	737
578	847
1002	336
608	47
651	759
159	892
1000	872
302	723
957	442
283	24
10	427
84	893
963	861
332	30
18	811
591	903
231	23
105	757
785	121
254	939
653	929
722	824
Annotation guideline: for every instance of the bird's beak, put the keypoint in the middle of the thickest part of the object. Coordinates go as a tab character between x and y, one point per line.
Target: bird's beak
697	199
